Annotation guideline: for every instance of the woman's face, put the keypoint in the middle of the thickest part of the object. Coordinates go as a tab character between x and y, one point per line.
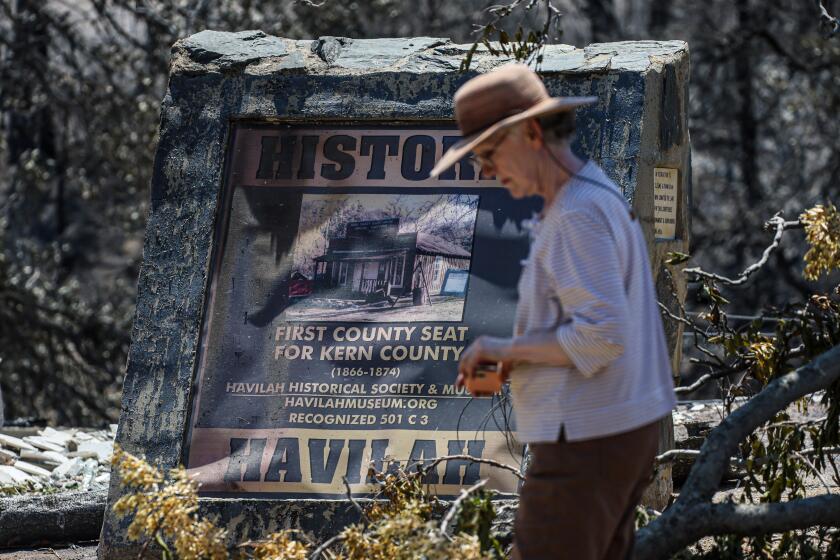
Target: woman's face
511	157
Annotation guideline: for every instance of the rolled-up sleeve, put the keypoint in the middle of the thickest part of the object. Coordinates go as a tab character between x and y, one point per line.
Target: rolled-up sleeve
581	258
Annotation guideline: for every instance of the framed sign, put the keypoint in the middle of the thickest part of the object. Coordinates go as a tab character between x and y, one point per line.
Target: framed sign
665	197
455	282
339	308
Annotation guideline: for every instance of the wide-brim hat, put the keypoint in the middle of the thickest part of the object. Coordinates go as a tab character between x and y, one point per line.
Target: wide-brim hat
498	100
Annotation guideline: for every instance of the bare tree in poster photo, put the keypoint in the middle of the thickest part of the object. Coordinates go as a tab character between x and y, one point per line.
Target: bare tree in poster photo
382	257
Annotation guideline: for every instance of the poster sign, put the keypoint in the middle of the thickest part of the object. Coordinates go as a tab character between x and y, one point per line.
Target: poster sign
345	287
665	202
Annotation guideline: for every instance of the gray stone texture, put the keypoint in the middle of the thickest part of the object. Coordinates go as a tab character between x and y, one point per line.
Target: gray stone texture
639	123
54	518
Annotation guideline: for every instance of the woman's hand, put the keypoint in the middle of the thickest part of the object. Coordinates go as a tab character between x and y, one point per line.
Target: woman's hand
484	350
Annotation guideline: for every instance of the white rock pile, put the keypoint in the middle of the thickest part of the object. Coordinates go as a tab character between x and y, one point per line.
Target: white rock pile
64	459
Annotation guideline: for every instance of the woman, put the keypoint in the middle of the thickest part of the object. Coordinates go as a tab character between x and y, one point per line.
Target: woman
588	363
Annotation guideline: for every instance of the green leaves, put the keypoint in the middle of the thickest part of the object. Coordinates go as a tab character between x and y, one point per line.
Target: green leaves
465	63
711	291
526	43
822	230
476	518
675	257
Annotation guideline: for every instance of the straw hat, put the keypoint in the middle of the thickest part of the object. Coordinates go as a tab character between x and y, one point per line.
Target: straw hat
497	100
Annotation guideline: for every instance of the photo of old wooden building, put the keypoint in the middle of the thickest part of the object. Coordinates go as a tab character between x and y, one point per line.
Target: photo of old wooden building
373	257
382	257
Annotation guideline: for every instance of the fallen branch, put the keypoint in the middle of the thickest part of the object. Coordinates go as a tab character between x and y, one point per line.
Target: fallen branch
702	380
456	505
673	454
753	519
814	470
353	501
693	516
435	462
813	451
712	376
676	318
324	546
776	221
800	423
807	452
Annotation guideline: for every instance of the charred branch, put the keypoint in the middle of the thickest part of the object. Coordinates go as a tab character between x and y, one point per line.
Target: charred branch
680	525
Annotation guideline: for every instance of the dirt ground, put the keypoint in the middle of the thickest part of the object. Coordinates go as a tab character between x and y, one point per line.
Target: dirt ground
711	413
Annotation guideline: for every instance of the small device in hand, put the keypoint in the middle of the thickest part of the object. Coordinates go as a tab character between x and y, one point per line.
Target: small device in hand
486	381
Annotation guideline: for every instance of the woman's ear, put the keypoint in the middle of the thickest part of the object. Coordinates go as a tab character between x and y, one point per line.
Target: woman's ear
534	134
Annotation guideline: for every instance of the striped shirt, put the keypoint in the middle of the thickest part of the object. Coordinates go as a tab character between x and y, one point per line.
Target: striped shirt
588	278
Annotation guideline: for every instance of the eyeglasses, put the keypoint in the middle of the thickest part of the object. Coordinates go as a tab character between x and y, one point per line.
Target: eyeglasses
485	158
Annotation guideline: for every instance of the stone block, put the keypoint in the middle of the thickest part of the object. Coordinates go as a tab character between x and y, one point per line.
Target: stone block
34	470
638	125
15	443
9	476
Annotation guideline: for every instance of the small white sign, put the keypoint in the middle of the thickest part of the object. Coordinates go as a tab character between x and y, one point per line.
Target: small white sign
665	195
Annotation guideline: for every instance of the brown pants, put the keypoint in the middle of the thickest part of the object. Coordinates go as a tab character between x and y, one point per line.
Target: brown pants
579	498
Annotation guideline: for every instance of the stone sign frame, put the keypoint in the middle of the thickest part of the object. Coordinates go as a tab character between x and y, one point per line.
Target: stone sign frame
638	124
